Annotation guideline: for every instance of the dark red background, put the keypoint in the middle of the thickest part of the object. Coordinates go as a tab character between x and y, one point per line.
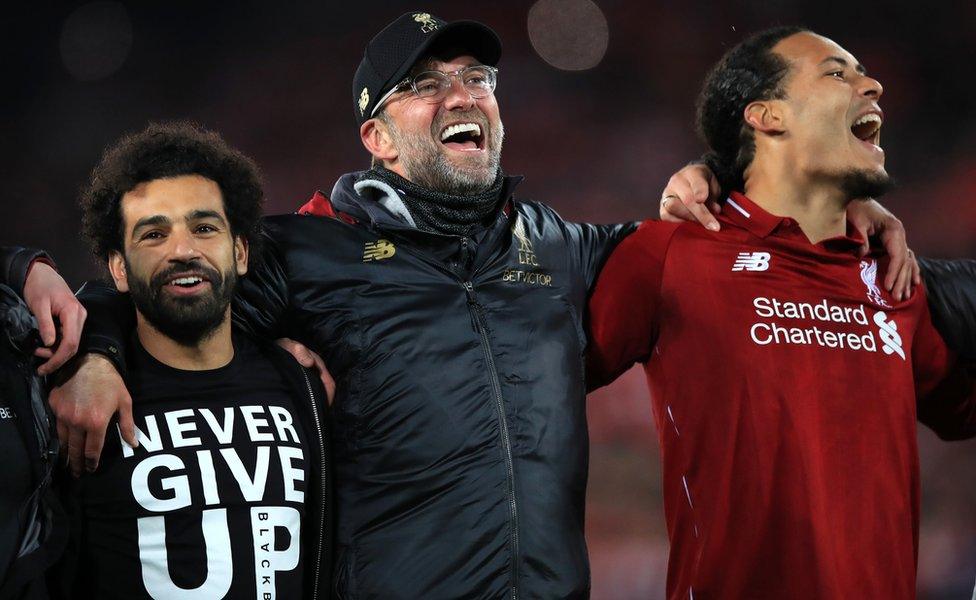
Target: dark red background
598	145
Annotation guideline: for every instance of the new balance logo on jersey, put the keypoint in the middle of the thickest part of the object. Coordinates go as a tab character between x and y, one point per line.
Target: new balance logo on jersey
378	250
751	261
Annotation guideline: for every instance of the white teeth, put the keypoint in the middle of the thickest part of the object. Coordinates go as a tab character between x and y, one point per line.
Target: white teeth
186	281
460	128
868	118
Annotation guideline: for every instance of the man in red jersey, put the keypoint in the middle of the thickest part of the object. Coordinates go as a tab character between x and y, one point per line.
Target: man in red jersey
791	471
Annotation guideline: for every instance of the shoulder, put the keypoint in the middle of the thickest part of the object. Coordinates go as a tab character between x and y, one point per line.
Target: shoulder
539	222
254	349
536	213
286	232
285	223
653	236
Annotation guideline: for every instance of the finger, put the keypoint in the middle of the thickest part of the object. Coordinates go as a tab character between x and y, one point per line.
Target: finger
330	386
897	247
865	232
714	188
914	275
127	425
304	356
70	336
80	315
714	206
54	400
896	266
327	381
679	184
903	282
699	189
76	450
298	351
93	448
694	195
678	191
45	322
43	352
673	210
864	248
63	439
701	214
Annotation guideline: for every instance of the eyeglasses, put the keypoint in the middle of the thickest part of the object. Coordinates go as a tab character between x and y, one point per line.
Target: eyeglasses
432	86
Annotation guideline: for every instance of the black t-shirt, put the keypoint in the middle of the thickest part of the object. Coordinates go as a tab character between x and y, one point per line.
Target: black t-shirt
211	504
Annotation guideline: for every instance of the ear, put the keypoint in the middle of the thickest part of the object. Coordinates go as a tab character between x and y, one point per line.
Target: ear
240	254
116	267
765	116
377	140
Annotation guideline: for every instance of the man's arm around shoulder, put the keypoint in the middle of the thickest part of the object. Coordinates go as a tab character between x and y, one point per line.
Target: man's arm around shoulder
589	245
623	309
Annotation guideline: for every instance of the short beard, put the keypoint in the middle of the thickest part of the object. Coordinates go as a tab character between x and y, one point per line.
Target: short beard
426	164
860	184
186	320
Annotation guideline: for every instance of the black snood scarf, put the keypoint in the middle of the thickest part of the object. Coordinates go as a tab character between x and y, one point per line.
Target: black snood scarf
438	212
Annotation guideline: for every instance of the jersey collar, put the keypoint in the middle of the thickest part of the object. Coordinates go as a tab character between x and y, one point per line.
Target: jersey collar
748	215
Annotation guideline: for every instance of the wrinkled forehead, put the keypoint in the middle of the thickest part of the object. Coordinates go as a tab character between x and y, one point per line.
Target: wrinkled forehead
808	50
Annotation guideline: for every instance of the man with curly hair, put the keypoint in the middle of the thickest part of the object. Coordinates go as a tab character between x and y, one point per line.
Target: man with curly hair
791	470
226	492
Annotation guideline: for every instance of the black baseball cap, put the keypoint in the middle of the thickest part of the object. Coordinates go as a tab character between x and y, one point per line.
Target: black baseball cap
392	53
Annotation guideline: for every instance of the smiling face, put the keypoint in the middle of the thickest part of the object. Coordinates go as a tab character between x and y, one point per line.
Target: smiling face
831	119
452	146
180	261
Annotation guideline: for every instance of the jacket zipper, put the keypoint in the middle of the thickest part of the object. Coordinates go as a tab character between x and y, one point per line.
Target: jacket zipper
324	479
42	422
482	329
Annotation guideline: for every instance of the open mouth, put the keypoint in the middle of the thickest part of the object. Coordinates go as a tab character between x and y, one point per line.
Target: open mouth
465	137
187	283
867	128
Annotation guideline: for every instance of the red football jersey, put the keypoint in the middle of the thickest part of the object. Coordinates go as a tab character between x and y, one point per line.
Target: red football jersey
784	381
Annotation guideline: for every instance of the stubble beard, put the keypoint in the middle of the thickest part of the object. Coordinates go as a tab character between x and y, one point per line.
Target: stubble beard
186	320
425	163
861	184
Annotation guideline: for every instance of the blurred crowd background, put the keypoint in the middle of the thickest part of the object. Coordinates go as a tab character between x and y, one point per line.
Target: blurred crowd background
597	100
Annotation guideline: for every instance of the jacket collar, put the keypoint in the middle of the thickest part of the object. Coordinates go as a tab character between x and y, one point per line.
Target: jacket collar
376	202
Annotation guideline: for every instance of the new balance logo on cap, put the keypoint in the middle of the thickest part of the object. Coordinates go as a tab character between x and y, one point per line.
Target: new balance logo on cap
751	261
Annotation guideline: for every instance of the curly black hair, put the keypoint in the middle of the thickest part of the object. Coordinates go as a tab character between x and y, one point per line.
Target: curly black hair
748	72
165	150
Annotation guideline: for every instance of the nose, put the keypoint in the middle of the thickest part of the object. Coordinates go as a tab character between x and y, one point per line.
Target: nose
457	97
184	246
871	87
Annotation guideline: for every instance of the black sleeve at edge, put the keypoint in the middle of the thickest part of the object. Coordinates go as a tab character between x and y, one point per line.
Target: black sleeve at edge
951	289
